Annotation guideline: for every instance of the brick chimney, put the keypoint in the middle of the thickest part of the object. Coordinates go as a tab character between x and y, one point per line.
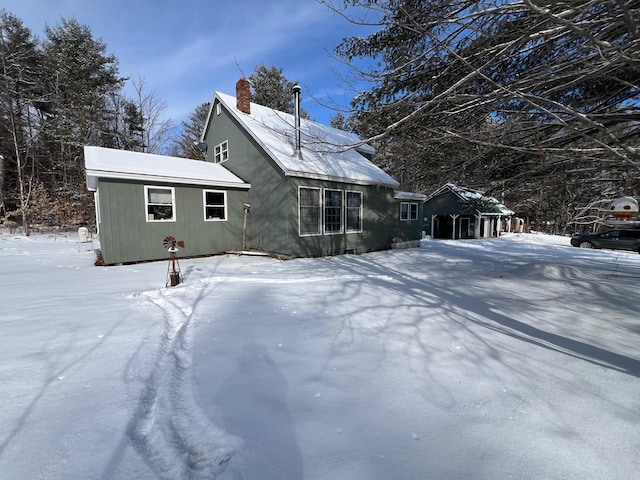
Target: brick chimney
243	95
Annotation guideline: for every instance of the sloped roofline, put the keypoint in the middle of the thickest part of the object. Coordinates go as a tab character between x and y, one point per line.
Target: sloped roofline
480	196
103	162
243	119
447	186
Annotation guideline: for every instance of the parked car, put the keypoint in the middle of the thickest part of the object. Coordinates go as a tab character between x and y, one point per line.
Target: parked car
621	239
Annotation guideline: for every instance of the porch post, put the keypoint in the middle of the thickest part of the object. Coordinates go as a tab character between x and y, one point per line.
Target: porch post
454	216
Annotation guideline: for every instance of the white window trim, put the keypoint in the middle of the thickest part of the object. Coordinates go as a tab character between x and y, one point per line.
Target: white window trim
342	213
224	149
405	219
320	216
218	109
409	218
146	203
346	209
204	206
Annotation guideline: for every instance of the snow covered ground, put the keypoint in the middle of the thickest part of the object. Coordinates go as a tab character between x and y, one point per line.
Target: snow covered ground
514	357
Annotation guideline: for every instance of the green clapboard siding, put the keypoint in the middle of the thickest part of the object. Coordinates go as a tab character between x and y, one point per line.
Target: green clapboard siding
126	236
273	218
269	197
408	230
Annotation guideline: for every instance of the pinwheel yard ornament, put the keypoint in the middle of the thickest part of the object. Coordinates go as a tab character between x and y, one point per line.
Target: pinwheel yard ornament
173	271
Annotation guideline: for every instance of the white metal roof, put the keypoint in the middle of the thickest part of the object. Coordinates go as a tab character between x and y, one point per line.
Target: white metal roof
325	150
467	194
111	163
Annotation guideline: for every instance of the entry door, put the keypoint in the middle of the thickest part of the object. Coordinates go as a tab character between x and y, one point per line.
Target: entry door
463	231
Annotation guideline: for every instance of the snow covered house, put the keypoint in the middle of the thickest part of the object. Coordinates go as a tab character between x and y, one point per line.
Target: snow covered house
457	212
314	190
271	182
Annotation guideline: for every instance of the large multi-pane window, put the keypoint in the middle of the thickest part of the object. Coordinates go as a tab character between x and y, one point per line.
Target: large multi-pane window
408	211
160	203
309	215
221	152
354	211
329	211
215	205
332	211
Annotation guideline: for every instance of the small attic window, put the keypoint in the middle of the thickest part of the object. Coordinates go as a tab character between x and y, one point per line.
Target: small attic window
221	152
218	109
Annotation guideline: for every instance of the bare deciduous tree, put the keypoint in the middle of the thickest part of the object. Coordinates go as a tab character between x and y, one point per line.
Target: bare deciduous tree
19	90
155	130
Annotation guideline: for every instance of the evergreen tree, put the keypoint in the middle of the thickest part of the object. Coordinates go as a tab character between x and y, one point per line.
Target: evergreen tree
538	98
82	77
338	121
56	96
186	145
272	89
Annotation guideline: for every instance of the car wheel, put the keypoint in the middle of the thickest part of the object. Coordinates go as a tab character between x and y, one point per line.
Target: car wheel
586	245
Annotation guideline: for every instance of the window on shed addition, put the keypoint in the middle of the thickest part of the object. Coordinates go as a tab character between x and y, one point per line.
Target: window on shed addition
215	205
332	211
309	211
408	211
354	211
221	152
160	203
413	211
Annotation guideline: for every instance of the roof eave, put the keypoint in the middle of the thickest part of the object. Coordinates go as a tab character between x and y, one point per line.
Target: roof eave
495	214
332	178
166	179
421	197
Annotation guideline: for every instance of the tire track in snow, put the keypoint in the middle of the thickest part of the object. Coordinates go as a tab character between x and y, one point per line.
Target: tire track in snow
169	429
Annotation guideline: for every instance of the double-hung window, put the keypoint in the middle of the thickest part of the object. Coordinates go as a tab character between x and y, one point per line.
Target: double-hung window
215	205
354	212
309	215
333	211
160	203
221	152
408	211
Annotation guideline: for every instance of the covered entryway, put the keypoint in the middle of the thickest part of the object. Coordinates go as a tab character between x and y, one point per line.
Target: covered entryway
456	212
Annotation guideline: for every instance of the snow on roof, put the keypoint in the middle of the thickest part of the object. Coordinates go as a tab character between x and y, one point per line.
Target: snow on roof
490	204
398	195
325	152
111	163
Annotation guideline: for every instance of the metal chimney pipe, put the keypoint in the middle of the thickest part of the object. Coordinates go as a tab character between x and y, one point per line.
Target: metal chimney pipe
296	92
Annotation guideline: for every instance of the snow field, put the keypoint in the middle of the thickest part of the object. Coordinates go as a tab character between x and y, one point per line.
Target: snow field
505	358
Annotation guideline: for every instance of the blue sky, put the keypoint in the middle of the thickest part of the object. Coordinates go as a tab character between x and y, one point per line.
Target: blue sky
186	50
